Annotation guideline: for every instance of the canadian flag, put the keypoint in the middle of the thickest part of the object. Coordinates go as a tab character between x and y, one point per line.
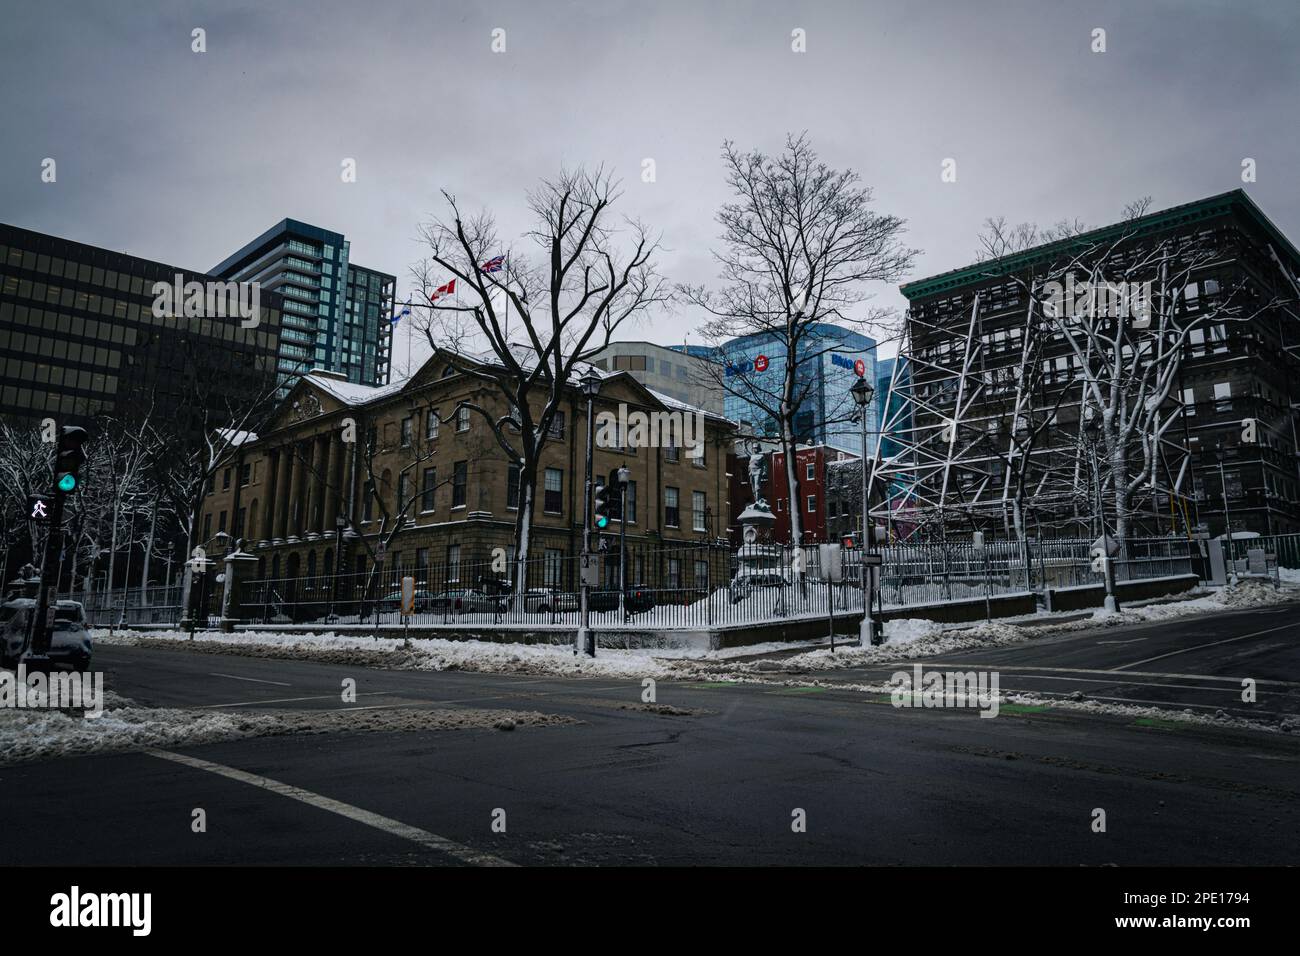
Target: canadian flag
448	289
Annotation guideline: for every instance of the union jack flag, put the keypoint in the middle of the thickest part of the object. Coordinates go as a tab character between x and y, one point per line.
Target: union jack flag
495	264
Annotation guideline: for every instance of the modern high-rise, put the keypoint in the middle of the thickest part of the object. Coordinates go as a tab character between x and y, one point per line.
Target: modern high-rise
753	366
688	377
80	337
336	313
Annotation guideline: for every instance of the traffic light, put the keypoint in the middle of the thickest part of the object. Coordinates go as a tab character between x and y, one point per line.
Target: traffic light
615	492
70	458
600	507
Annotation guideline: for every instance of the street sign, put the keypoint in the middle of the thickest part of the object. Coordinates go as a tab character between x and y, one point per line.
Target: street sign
590	571
873	560
760	363
38	508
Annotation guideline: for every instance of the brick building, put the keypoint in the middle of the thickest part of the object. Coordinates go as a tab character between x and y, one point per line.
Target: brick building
341	462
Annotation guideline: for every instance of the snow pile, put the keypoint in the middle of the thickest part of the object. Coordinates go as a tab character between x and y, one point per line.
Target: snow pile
27	735
41	734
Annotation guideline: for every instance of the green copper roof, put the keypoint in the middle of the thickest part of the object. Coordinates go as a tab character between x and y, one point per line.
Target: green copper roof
1213	207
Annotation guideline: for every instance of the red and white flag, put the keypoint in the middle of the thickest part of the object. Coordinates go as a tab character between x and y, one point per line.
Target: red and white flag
448	289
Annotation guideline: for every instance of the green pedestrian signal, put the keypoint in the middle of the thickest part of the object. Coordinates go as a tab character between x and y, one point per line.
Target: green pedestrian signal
67	482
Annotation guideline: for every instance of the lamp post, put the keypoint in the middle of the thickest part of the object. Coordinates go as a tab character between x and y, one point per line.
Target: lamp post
1227	516
624	476
1092	428
590	385
340	525
862	393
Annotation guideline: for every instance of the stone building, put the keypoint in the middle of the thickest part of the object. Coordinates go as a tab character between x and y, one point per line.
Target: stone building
339	465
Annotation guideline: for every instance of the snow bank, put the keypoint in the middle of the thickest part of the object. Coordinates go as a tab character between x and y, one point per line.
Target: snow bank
27	735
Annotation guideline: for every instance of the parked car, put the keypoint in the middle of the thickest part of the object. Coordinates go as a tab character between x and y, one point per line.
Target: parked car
749	580
70	641
466	601
638	600
393	602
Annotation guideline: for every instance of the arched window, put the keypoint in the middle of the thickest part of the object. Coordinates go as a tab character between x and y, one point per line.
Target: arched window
327	562
311	568
275	566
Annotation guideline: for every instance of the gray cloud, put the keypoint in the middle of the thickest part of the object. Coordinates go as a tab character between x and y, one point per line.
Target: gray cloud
182	157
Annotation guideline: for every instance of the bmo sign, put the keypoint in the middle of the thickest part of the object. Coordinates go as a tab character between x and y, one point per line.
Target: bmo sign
857	366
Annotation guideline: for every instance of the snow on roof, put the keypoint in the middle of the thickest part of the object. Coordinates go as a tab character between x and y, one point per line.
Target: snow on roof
352	393
235	437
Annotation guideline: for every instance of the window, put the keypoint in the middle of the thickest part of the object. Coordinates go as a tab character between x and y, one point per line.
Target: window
1222	397
403	493
701	575
221	522
674	573
431	424
810	471
556	431
207	527
552	568
408	430
1189	402
672	511
553	500
671	451
512	486
462	418
697	453
629	497
459	474
453	563
429	492
422	564
225	479
698	502
812	504
245	474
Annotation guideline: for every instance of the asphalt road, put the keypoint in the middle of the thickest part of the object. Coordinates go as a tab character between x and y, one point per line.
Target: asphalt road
1196	663
719	784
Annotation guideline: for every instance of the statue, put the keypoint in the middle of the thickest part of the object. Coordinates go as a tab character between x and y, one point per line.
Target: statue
756	472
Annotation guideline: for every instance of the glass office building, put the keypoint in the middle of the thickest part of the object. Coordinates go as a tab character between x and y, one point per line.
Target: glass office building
336	313
79	339
825	373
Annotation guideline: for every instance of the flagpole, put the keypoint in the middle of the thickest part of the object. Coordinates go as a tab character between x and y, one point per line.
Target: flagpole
410	320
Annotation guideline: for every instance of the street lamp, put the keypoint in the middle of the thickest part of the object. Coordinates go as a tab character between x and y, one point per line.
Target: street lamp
1092	428
340	525
862	393
590	383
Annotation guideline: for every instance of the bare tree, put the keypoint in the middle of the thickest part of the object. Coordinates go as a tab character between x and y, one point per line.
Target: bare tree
589	280
799	244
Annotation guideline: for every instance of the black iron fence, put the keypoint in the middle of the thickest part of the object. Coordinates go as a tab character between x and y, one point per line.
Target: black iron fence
696	586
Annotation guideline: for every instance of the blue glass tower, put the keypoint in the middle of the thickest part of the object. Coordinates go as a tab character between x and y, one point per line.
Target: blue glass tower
827	369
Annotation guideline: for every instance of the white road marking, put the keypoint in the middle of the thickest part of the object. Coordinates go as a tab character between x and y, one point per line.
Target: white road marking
253	680
1134	641
1197	647
386	824
284	700
1084	670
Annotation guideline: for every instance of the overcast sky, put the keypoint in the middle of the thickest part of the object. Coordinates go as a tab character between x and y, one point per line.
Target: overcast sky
182	157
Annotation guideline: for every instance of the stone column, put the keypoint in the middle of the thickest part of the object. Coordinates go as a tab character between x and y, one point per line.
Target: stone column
347	451
310	466
270	500
330	483
292	529
282	493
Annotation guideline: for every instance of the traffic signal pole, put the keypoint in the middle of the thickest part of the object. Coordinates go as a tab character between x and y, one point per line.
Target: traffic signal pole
68	460
586	645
